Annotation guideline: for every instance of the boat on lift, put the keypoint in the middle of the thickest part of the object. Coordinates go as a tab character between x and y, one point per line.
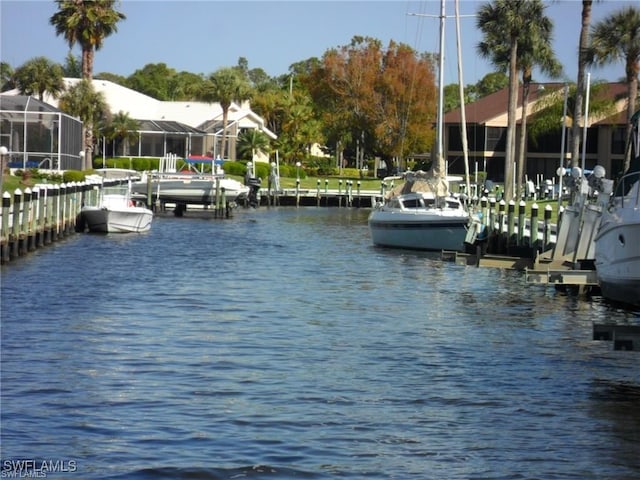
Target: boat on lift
191	186
617	243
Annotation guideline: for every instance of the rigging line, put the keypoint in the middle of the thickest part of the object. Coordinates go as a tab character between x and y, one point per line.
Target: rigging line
405	113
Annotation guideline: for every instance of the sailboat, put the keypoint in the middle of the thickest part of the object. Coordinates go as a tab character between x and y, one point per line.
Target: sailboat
617	243
421	214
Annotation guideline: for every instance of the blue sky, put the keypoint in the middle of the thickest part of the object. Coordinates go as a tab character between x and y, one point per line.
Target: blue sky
202	36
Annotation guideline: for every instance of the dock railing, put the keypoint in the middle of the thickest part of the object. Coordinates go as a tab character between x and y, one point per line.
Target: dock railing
46	213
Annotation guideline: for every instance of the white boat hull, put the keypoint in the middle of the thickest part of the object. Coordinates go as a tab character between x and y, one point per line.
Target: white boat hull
195	191
618	262
617	250
127	220
418	231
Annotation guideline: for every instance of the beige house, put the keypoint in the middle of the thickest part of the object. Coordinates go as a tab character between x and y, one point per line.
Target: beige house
486	121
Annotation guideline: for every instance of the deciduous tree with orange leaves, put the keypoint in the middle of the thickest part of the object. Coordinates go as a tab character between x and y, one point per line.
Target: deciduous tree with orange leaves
383	98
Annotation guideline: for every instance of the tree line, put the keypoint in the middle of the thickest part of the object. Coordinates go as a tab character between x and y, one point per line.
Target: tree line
360	100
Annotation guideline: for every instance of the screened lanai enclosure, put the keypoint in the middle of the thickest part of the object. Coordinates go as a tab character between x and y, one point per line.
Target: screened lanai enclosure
156	138
38	135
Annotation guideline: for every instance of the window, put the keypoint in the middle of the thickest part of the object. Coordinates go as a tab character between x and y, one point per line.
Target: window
618	135
496	138
412	203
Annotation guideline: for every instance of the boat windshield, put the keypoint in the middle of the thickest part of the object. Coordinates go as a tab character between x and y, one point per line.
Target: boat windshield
412	203
628	186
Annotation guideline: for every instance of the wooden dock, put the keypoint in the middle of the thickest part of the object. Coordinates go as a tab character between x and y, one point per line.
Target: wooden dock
39	216
347	197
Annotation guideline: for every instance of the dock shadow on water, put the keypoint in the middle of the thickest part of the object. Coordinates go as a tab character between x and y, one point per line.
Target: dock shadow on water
281	344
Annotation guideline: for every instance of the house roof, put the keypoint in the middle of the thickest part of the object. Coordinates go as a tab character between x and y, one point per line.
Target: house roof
140	106
244	118
24	103
492	109
164	126
14	107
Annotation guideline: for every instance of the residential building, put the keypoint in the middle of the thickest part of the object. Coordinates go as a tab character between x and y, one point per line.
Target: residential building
181	128
486	121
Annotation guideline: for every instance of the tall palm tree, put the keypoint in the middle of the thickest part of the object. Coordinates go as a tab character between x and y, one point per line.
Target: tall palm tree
225	86
504	23
87	23
536	51
39	76
615	38
82	101
579	94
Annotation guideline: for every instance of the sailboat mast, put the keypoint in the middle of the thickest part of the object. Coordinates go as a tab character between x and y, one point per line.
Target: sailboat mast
463	117
439	125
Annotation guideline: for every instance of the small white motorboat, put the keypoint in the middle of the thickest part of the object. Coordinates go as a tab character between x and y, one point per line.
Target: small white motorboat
116	212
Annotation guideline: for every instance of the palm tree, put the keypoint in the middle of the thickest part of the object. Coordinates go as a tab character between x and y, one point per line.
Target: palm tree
536	51
614	38
250	142
225	86
122	128
39	76
87	23
82	101
550	108
6	77
579	94
72	66
503	23
299	129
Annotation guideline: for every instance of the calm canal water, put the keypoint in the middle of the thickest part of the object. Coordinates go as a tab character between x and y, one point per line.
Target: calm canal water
281	344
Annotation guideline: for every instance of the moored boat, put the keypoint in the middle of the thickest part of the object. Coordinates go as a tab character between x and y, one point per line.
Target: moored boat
420	220
191	186
116	213
422	213
617	243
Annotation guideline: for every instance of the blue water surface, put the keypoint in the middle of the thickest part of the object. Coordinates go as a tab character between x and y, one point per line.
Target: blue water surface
281	344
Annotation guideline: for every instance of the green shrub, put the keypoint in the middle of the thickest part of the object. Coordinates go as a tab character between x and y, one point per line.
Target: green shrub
291	171
235	168
320	166
73	176
263	170
140	164
54	177
350	173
